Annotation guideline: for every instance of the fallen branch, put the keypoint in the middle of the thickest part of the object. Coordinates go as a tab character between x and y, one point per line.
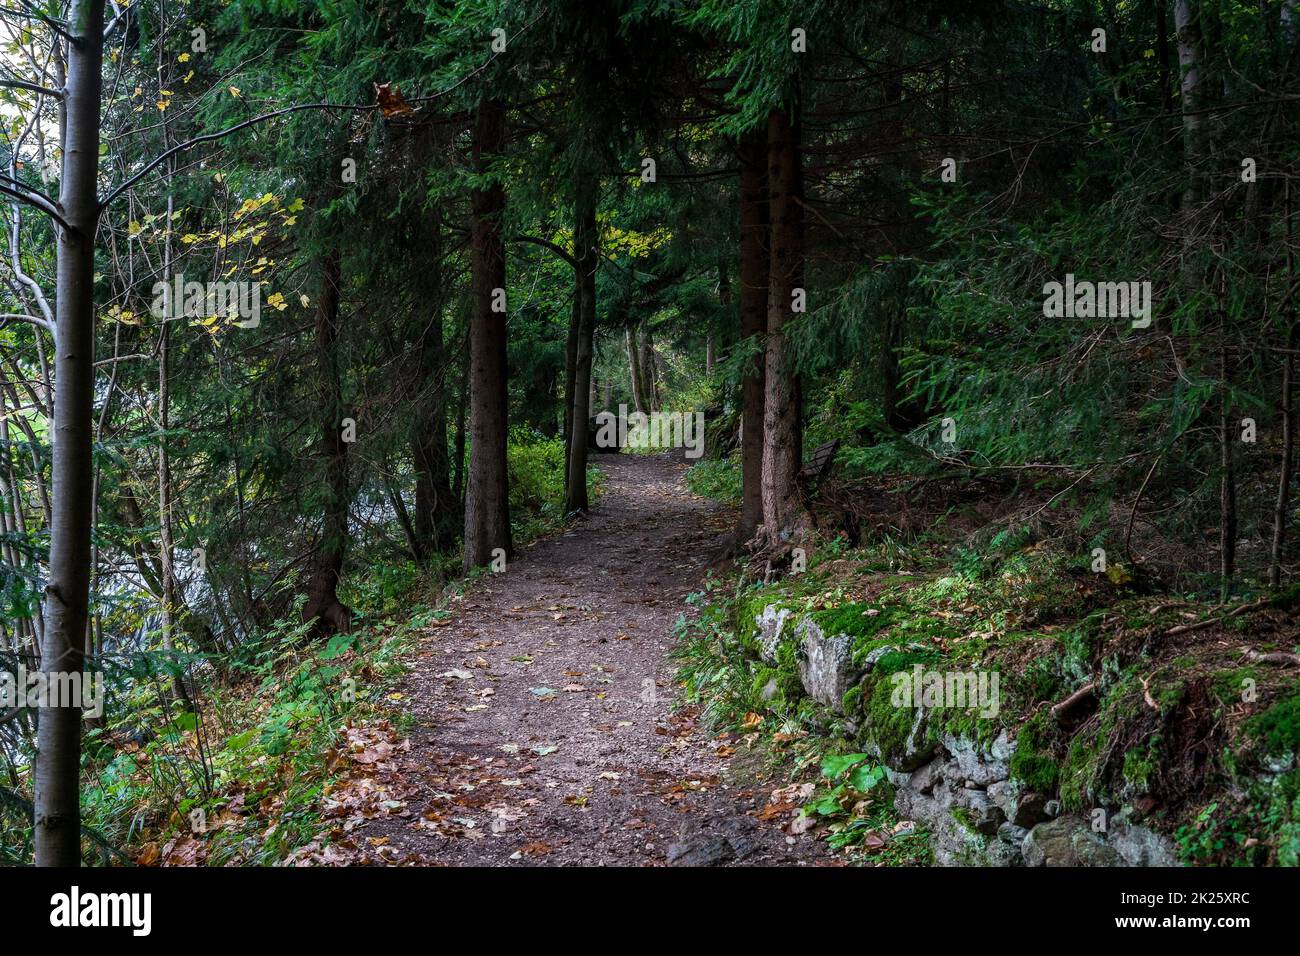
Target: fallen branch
1281	658
1211	621
1146	695
1072	703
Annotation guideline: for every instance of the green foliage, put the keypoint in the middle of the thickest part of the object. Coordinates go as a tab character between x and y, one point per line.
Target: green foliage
536	467
716	478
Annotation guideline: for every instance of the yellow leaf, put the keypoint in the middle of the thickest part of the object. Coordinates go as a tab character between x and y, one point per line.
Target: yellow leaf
235	91
134	228
189	237
183	58
304	300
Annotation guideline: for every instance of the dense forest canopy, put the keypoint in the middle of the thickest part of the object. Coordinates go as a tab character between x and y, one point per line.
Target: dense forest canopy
310	305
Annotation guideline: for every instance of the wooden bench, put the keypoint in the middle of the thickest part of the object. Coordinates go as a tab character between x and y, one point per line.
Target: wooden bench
818	465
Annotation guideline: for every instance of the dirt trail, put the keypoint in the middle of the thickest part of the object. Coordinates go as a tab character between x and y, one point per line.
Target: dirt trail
546	731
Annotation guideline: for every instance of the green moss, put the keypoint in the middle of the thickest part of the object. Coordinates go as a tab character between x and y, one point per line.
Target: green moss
1083	775
888	726
1169	695
1080	770
747	611
964	818
853	620
895	661
1278	728
1037	682
1033	764
789	689
851	701
1141	764
1078	646
968	724
1229	686
787	654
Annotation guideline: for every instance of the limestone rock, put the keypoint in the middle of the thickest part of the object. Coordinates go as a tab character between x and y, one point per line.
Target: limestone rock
825	664
1139	845
771	624
979	765
1030	810
1068	841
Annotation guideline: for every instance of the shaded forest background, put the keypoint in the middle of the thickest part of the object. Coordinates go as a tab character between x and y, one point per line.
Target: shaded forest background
815	222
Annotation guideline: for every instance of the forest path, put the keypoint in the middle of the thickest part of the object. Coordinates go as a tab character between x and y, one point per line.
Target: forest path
602	769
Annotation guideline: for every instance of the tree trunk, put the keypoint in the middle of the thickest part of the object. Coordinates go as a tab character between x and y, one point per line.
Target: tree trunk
1227	485
167	550
634	369
323	606
1282	504
487	495
649	369
1162	54
436	505
754	266
571	361
57	824
782	504
1188	31
585	239
462	413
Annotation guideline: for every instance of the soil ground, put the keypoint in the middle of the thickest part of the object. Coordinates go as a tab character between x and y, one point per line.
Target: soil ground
546	731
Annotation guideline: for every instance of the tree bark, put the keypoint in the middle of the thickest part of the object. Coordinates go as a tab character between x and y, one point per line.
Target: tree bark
166	542
754	266
487	496
634	369
1188	32
436	505
323	606
462	413
585	239
782	454
57	824
1282	503
571	362
649	371
1227	486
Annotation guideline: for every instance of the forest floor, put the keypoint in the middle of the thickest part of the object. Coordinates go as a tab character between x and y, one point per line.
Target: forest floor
542	723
